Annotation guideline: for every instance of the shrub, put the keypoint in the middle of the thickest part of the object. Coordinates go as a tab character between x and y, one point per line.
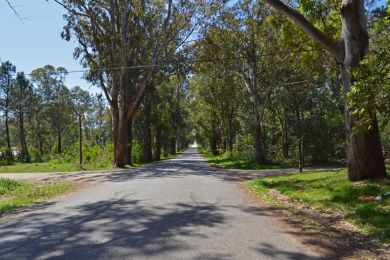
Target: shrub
6	157
91	153
35	155
136	152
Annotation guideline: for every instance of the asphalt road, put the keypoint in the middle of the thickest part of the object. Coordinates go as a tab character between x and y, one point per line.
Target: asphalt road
177	209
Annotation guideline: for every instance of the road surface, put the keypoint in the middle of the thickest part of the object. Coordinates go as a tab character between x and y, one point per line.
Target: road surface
177	209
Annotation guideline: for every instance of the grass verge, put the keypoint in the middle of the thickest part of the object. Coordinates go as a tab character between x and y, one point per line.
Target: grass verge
331	192
47	167
15	194
228	162
52	167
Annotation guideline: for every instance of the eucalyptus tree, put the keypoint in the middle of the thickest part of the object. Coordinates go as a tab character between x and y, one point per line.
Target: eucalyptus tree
21	92
99	120
56	99
80	103
125	36
7	75
365	157
40	127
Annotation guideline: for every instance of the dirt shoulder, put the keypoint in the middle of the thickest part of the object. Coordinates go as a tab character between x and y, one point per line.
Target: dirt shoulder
325	233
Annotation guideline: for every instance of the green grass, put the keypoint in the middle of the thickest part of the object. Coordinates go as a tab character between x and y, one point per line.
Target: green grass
331	191
15	194
52	167
65	167
229	162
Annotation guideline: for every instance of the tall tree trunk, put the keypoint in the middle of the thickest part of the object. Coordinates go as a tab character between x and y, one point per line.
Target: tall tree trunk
364	150
59	142
214	139
157	152
300	161
39	136
258	145
173	145
114	127
7	130
25	154
147	131
6	118
285	137
299	131
260	157
80	140
122	149
130	142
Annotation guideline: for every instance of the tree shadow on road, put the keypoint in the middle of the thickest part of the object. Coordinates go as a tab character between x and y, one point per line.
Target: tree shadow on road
189	163
124	228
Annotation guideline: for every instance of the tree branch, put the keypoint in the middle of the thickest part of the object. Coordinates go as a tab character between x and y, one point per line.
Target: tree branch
319	36
14	10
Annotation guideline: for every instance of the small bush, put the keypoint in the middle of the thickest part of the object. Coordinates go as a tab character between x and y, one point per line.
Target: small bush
137	152
91	153
35	155
6	157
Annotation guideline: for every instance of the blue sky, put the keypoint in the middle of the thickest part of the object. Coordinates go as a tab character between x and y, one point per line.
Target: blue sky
37	41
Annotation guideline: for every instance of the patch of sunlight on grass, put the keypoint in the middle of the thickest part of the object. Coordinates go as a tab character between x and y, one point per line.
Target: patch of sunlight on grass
15	194
332	190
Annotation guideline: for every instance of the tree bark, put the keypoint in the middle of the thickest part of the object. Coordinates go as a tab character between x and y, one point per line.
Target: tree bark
147	131
173	145
157	152
115	127
214	139
258	145
364	150
130	142
80	140
260	157
24	153
39	136
59	142
122	149
285	136
7	131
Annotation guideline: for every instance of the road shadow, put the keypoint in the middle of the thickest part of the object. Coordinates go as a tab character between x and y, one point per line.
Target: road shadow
188	163
125	228
273	252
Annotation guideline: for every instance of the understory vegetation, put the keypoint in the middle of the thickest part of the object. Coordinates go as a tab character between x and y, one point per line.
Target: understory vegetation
331	192
241	161
15	194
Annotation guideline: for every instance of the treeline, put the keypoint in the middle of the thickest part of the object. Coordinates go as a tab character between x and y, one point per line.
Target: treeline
270	93
44	120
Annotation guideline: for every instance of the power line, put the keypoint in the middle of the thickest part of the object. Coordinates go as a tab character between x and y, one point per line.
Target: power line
167	64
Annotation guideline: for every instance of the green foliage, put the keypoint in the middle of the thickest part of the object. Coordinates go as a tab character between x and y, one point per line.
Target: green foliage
6	157
330	191
237	160
15	194
137	152
370	92
35	155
